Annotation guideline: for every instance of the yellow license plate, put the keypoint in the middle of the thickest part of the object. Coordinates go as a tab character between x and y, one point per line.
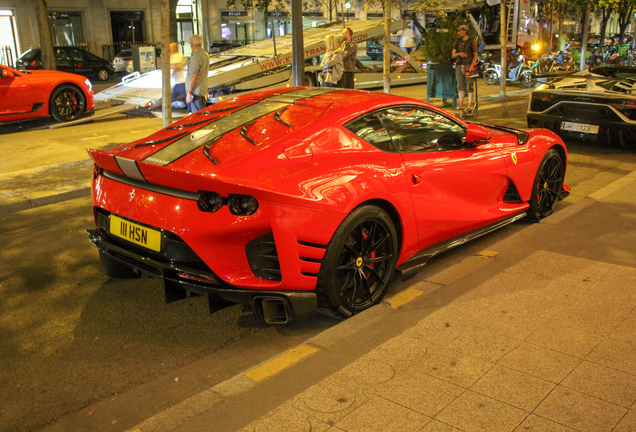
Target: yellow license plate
134	233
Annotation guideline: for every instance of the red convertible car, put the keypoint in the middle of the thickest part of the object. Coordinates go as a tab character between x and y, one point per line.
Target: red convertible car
31	94
302	198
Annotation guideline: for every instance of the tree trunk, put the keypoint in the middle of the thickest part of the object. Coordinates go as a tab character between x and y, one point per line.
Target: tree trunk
387	43
606	16
417	24
503	38
46	44
166	99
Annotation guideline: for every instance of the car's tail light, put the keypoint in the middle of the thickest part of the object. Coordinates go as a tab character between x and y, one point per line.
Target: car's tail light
33	64
541	96
242	205
629	103
209	201
128	59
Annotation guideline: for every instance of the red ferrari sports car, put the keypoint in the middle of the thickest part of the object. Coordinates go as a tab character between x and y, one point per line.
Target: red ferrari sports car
30	94
302	198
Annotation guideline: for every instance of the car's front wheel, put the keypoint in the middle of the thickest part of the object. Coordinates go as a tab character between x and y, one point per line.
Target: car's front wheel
67	103
548	183
359	263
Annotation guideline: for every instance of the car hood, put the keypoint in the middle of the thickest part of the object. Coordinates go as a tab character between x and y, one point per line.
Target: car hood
53	74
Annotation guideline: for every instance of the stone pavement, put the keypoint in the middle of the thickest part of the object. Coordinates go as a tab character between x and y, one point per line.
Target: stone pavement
40	167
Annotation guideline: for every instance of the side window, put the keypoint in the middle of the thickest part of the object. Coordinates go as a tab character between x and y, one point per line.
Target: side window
77	55
416	129
370	128
60	55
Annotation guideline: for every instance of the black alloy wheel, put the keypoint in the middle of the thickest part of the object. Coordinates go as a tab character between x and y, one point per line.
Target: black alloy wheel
548	184
359	263
67	103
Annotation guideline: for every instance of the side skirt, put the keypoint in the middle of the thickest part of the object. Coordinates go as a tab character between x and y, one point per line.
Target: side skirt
411	267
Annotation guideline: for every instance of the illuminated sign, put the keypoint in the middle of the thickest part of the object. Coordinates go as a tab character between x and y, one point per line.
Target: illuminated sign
233	14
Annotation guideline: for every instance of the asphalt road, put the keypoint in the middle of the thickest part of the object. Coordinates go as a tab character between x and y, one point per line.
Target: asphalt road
72	341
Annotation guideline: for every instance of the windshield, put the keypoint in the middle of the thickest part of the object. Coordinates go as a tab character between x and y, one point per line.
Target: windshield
32	54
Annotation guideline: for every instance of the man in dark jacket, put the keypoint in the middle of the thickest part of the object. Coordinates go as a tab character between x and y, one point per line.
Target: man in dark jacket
350	49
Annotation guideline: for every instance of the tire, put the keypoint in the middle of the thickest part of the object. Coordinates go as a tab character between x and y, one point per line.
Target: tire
315	61
527	80
67	103
359	263
310	80
491	77
102	74
116	270
548	183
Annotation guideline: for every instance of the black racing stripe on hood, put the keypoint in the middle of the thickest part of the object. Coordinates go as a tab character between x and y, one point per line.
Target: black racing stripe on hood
229	122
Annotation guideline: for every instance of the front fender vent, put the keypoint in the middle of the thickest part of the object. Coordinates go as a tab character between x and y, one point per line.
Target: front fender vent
263	257
512	194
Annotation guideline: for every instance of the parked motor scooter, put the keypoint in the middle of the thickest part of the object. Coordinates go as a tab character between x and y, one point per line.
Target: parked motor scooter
522	73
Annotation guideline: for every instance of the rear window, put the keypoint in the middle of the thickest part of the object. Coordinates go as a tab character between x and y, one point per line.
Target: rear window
32	54
124	53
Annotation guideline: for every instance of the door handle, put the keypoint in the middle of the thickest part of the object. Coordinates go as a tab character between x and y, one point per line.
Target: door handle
416	179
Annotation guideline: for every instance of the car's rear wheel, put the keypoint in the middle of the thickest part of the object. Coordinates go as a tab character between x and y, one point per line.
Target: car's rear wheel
547	186
67	103
491	77
359	263
103	74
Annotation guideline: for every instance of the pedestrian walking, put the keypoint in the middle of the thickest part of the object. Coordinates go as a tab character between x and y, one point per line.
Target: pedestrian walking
465	55
177	77
350	50
407	40
332	67
197	75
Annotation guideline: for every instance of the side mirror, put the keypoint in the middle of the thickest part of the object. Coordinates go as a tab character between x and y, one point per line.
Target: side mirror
7	74
450	141
476	134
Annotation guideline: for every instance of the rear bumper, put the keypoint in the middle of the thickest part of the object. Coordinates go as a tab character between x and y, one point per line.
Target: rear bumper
179	279
609	129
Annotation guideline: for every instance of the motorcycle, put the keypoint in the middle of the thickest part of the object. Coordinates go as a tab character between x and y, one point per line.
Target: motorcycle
521	72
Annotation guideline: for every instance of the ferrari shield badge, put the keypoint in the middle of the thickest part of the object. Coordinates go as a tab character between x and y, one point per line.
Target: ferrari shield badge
514	158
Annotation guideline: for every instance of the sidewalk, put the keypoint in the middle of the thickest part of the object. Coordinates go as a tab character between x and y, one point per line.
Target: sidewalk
45	171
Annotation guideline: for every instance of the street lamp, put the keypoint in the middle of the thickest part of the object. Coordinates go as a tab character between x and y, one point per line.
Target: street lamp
348	6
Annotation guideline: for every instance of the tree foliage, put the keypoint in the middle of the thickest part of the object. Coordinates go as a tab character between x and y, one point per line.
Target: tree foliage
46	42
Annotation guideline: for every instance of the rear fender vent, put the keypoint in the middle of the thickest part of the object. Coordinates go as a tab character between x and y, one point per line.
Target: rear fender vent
512	194
263	257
